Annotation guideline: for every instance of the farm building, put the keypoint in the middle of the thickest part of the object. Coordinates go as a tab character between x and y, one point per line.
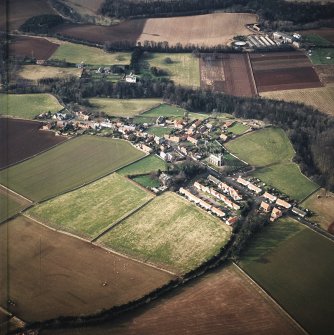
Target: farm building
299	212
275	214
269	196
216	159
265	207
283	203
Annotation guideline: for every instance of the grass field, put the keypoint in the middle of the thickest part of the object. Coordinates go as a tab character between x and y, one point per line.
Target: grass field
170	232
88	211
319	56
159	131
27	106
123	107
238	128
146	165
68	166
321	98
183	68
146	181
167	111
271	152
317	40
296	266
77	53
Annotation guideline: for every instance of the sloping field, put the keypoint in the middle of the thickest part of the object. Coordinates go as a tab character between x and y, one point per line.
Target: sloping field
325	73
271	152
296	267
322	56
52	274
27	106
20	139
171	232
166	110
67	166
123	107
77	53
146	165
37	72
33	47
327	33
229	73
88	211
223	302
321	98
283	71
85	7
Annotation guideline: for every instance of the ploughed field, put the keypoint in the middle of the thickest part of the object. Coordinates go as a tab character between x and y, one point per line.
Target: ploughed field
68	166
51	274
283	71
222	302
21	139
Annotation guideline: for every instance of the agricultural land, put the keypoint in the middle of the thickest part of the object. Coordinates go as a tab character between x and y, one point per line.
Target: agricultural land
67	166
170	232
146	165
90	210
322	56
27	106
325	73
295	266
53	274
159	131
271	152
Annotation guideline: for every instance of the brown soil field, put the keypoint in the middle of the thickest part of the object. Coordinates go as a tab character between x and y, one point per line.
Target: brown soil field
20	139
21	10
49	274
283	71
325	73
24	46
229	73
225	302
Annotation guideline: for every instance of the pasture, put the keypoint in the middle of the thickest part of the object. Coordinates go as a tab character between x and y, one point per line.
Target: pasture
322	56
90	210
167	111
238	128
182	68
77	53
222	302
296	267
123	107
159	131
21	139
146	181
148	164
37	72
321	98
170	232
68	166
27	106
52	274
271	152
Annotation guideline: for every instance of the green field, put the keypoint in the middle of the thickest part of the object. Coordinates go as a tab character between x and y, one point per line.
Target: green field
238	128
123	107
159	131
148	164
167	111
147	181
183	69
316	40
142	119
77	53
27	106
170	232
89	210
319	56
271	152
296	267
68	165
10	205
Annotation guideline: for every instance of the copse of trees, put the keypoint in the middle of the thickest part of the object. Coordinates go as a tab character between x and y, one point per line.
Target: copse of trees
41	24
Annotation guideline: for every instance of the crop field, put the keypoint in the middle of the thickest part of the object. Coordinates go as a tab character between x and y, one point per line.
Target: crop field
283	71
90	210
183	68
322	56
20	139
238	128
37	72
52	274
36	47
222	302
67	166
170	232
77	53
229	73
271	152
325	73
148	164
27	106
123	107
159	131
322	204
321	98
296	267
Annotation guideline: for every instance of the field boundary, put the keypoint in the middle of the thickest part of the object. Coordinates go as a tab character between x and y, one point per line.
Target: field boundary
252	74
18	194
267	296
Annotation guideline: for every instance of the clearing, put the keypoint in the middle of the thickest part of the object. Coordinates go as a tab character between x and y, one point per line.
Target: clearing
170	232
148	164
67	166
295	266
27	106
88	211
52	274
